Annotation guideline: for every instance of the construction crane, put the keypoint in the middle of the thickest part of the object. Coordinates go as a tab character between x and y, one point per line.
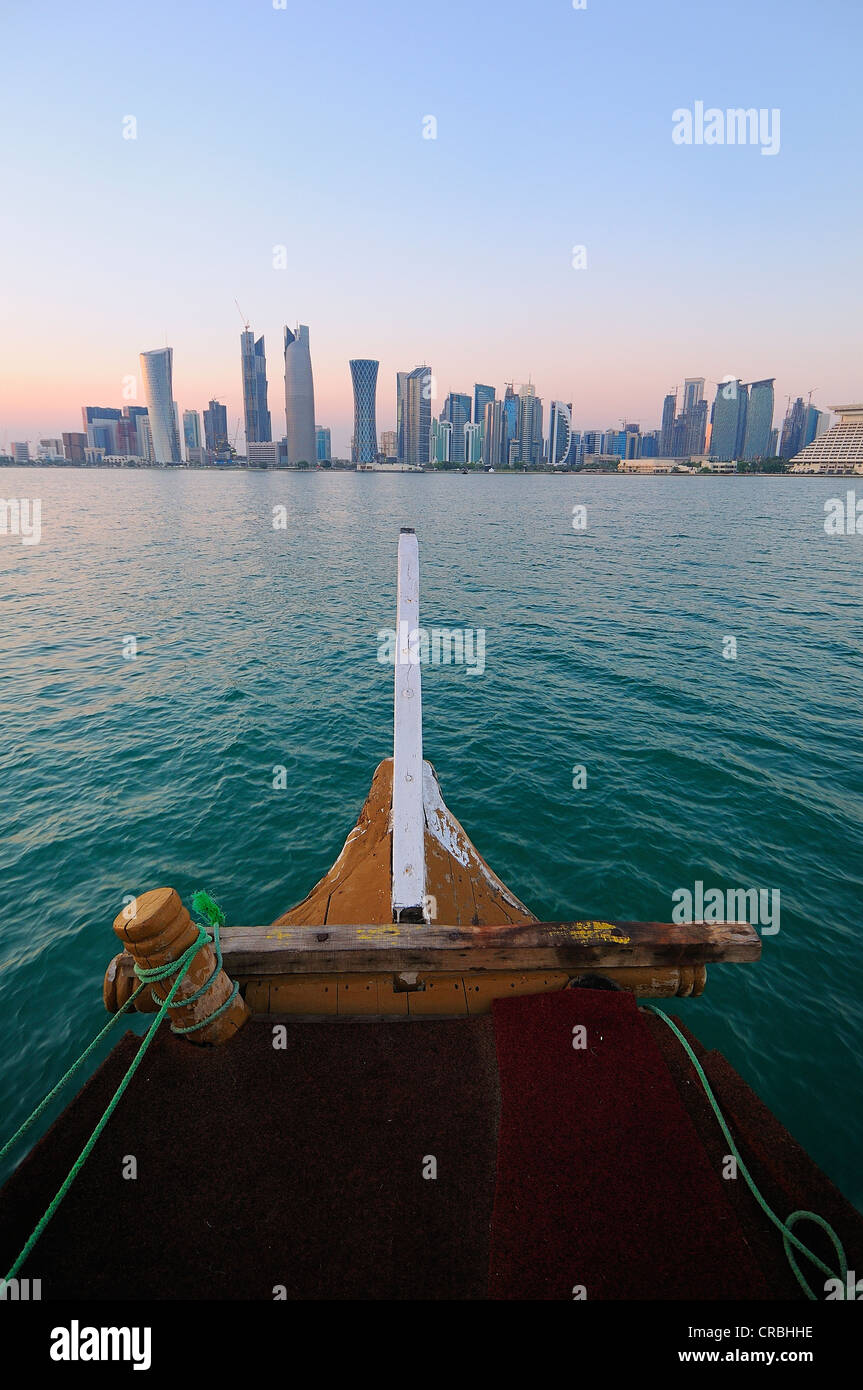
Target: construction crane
243	317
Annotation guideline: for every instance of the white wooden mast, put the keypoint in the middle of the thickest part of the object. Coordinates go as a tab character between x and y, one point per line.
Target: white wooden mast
408	819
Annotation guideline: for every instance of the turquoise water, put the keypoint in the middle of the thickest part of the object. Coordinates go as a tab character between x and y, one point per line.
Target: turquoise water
257	648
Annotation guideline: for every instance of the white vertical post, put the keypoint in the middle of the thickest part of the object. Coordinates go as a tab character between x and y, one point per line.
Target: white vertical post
408	818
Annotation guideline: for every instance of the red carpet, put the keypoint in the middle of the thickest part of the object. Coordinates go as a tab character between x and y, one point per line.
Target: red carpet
602	1180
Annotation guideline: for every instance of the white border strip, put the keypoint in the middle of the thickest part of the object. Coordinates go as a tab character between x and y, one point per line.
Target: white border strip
408	820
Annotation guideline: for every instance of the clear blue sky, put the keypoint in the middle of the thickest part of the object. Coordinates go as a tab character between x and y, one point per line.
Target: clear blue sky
302	127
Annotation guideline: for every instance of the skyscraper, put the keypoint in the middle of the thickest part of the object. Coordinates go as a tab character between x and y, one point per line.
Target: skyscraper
102	427
414	410
729	420
191	430
559	433
299	397
323	444
157	371
401	387
793	430
364	375
759	420
666	434
456	412
254	367
216	427
694	415
510	419
481	397
473	443
389	444
441	442
145	439
493	434
816	423
130	431
529	427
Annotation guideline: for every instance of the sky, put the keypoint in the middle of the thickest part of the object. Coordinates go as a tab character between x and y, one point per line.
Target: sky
302	127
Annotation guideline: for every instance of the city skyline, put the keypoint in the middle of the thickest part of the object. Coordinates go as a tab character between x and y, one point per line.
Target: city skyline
691	254
253	348
688	432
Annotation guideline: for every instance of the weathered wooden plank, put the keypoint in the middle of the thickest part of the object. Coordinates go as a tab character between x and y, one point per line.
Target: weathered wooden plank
282	950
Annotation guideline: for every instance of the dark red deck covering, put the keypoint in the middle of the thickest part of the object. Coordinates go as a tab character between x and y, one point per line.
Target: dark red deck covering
602	1180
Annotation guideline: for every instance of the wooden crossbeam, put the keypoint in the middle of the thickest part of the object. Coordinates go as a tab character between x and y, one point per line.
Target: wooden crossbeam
536	946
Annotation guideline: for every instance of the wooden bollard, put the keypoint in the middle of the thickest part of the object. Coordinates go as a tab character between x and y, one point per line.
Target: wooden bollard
160	930
120	984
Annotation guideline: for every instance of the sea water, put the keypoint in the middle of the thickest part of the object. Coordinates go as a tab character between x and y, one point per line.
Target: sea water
191	693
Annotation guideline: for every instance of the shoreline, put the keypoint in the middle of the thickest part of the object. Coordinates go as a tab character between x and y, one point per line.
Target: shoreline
423	472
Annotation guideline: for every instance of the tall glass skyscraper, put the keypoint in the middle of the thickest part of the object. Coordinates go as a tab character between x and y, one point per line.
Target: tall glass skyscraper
254	365
473	443
323	444
793	430
481	397
191	430
216	427
759	420
364	375
414	415
157	374
440	442
510	419
494	434
559	433
666	433
816	422
299	397
729	420
529	427
694	415
401	387
456	412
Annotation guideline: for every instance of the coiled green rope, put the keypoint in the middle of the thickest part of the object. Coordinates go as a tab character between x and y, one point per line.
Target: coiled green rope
788	1237
210	910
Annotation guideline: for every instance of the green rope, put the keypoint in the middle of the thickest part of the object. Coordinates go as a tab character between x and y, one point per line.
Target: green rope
203	904
788	1237
181	966
215	918
209	909
31	1119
